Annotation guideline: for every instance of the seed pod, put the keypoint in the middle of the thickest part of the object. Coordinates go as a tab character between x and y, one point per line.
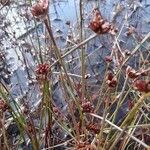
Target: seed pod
93	127
142	86
111	80
87	107
40	9
42	69
131	73
99	25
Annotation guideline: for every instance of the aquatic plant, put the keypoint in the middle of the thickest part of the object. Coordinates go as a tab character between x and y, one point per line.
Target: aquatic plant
84	85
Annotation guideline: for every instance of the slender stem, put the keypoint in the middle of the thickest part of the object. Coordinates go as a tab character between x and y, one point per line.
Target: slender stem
75	48
119	129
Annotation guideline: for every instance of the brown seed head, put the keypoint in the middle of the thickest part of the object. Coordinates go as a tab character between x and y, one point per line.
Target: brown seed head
142	86
93	127
40	9
131	73
87	107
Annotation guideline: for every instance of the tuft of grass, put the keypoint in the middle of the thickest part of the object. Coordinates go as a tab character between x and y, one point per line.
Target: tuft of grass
95	100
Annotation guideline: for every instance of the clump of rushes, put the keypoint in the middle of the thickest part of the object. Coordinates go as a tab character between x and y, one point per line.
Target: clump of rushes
82	110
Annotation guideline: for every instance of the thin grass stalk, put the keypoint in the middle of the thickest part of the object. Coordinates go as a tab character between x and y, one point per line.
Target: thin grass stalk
134	110
70	106
133	52
101	90
34	140
5	97
100	135
82	59
75	48
47	99
64	127
119	98
58	145
38	40
127	92
2	115
117	139
62	63
18	117
120	129
131	131
130	117
82	50
57	52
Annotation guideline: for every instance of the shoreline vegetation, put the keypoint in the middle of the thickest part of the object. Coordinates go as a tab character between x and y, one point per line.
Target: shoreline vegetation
78	84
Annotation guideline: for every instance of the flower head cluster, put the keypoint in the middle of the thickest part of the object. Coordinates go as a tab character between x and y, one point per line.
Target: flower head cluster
40	9
42	71
111	80
131	73
142	86
99	25
93	127
87	107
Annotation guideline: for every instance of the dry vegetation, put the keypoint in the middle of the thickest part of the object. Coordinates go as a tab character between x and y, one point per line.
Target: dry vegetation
91	94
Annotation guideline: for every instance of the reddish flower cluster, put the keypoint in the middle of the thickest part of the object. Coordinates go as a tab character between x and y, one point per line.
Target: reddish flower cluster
142	86
87	107
101	26
93	127
111	80
40	9
42	69
3	106
131	73
135	74
108	58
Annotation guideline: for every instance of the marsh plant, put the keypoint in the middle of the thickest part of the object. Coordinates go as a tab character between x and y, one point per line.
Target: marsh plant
91	93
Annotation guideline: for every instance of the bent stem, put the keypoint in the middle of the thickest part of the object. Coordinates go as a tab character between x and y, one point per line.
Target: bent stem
120	129
131	115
